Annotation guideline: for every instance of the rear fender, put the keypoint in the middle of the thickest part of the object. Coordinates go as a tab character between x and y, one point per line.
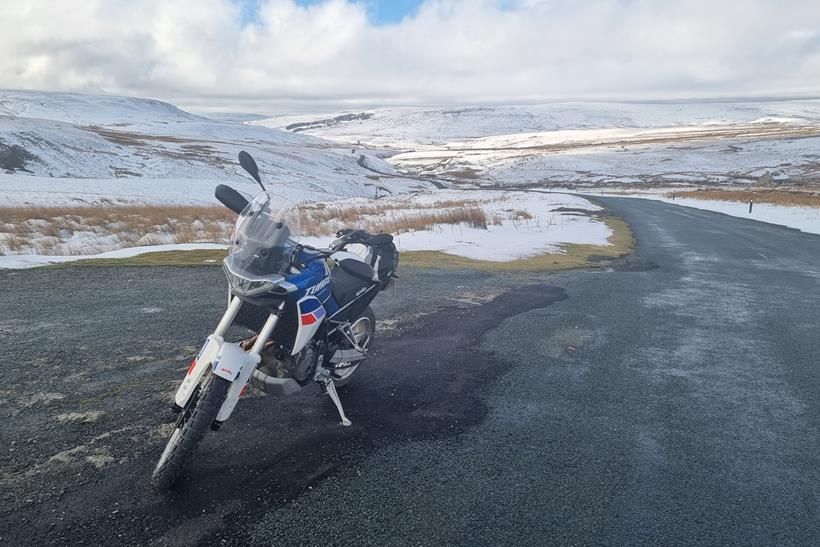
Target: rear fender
198	367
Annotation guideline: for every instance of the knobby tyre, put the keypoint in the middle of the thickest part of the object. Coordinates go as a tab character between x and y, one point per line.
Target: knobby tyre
190	428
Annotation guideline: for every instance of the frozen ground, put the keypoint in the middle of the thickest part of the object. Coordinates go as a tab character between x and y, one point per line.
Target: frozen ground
595	143
70	148
78	150
18	190
484	225
519	224
416	127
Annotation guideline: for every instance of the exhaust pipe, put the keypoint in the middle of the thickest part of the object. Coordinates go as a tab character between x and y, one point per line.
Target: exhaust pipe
347	356
275	386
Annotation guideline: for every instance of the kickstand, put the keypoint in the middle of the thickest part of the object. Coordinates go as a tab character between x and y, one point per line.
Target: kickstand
330	387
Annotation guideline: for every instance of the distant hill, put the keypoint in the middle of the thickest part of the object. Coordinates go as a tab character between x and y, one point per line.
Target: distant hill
587	143
105	146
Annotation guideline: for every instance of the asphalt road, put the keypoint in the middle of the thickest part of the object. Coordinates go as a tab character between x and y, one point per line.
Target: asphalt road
671	399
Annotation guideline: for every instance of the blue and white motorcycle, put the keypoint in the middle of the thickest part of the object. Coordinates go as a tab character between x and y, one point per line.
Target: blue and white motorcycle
308	309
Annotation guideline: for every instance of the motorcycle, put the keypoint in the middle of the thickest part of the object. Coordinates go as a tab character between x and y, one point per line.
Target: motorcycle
308	309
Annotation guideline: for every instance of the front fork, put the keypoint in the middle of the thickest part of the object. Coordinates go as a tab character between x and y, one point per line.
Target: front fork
206	355
228	360
231	362
248	365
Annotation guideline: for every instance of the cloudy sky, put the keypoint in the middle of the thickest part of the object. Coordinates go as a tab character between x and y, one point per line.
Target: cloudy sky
261	54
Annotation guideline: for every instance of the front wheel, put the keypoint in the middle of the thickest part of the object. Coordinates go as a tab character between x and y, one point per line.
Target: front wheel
193	422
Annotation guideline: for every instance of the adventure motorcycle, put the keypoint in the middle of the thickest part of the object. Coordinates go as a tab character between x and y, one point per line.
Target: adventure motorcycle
308	307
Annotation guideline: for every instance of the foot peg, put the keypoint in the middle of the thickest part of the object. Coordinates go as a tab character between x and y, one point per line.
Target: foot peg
330	387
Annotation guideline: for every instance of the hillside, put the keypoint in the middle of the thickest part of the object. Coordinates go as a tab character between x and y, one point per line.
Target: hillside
588	143
84	148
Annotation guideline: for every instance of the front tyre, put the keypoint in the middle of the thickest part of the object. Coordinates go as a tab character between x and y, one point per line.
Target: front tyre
191	426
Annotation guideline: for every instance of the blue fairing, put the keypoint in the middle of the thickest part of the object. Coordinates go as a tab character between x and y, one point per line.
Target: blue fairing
314	274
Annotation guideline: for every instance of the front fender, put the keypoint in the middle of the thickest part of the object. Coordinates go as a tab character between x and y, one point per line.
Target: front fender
231	359
198	367
235	365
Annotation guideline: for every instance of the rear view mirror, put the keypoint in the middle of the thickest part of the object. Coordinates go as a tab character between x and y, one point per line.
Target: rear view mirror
249	164
230	198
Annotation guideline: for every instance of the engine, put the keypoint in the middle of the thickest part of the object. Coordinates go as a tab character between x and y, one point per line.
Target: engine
278	363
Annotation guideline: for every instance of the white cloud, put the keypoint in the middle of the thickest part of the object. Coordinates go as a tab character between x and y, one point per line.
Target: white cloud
198	51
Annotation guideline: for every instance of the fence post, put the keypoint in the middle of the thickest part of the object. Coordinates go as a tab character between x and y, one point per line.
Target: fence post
750	205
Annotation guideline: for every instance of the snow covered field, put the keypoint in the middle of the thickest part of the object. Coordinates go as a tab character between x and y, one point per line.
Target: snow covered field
518	224
590	143
17	262
66	150
484	225
74	149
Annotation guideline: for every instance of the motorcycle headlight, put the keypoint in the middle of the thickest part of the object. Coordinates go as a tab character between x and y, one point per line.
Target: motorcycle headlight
245	286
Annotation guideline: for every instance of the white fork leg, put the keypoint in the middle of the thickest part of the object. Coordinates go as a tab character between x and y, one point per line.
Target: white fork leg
228	317
250	365
206	355
331	390
266	331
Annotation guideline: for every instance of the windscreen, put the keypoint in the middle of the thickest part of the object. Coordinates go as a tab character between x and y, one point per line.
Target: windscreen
265	234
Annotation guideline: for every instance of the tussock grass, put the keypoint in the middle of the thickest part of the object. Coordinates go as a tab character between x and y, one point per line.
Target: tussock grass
621	243
49	230
394	217
775	197
14	242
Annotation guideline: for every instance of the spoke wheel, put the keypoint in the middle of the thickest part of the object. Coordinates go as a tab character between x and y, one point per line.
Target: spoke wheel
194	421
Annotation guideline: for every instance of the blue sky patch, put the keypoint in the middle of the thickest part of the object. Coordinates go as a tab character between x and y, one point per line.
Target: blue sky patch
380	12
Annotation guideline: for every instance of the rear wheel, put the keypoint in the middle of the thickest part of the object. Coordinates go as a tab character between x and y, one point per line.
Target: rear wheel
363	329
194	420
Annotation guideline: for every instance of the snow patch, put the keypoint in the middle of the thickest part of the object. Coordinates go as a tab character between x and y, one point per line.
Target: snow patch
31	261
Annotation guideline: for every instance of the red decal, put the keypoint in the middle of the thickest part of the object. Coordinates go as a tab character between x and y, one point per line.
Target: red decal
193	364
308	319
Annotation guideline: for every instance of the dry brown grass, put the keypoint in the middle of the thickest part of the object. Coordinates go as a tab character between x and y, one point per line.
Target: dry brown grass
521	215
472	216
13	242
394	217
776	197
43	229
572	256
